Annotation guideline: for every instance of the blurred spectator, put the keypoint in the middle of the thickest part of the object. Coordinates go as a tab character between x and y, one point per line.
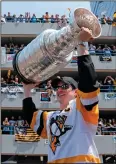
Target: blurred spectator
49	88
21	47
43	20
92	49
114	19
21	19
3	82
52	19
46	16
114	122
113	50
6	126
9	18
107	50
33	19
109	81
12	121
57	19
20	122
10	80
99	50
16	81
103	19
109	21
26	17
14	19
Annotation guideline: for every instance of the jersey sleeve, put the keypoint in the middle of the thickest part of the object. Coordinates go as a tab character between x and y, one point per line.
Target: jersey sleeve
87	104
35	118
88	90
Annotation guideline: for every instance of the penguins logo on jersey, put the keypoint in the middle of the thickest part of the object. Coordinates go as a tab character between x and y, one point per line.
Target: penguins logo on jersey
57	129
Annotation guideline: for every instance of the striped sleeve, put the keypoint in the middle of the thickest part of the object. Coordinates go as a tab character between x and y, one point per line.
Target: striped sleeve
38	123
88	101
35	118
88	87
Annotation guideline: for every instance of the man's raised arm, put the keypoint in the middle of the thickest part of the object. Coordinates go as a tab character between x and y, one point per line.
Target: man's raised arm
35	118
88	86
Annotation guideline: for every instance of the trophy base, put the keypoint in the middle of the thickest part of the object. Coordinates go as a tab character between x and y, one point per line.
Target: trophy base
16	70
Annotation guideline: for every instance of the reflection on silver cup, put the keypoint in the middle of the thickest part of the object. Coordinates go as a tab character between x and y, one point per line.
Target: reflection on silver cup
52	50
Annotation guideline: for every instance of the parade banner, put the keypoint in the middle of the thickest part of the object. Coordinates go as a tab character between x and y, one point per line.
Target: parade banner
24	134
105	58
10	57
11	95
44	97
3	55
109	96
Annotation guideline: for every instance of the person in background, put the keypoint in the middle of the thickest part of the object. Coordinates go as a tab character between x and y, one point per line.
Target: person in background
6	129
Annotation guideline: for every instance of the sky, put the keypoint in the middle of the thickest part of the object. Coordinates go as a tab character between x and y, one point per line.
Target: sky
39	8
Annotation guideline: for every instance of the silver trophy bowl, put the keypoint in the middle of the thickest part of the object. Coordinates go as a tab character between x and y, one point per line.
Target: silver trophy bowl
53	49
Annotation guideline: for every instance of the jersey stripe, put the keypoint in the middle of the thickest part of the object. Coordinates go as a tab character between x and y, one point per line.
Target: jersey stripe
89	116
89	101
44	131
33	121
79	158
89	95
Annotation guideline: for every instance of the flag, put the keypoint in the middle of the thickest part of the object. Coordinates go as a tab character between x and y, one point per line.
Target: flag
69	11
23	134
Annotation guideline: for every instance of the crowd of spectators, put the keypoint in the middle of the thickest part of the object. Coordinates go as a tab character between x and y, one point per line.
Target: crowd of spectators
12	125
106	127
100	49
12	48
107	85
97	49
47	18
107	20
27	18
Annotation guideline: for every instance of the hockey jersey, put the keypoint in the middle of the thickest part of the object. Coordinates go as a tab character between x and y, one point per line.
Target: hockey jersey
71	131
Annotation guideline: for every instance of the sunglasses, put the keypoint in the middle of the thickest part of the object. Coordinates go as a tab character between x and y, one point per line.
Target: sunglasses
64	86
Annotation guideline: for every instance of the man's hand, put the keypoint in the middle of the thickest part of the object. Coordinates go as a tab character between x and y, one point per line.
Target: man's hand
85	35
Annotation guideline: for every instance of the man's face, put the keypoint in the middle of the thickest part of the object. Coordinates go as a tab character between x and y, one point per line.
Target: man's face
64	91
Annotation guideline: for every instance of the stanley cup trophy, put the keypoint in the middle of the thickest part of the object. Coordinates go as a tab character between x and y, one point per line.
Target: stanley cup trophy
52	50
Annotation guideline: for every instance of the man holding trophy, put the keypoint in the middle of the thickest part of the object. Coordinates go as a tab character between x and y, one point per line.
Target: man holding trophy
70	130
